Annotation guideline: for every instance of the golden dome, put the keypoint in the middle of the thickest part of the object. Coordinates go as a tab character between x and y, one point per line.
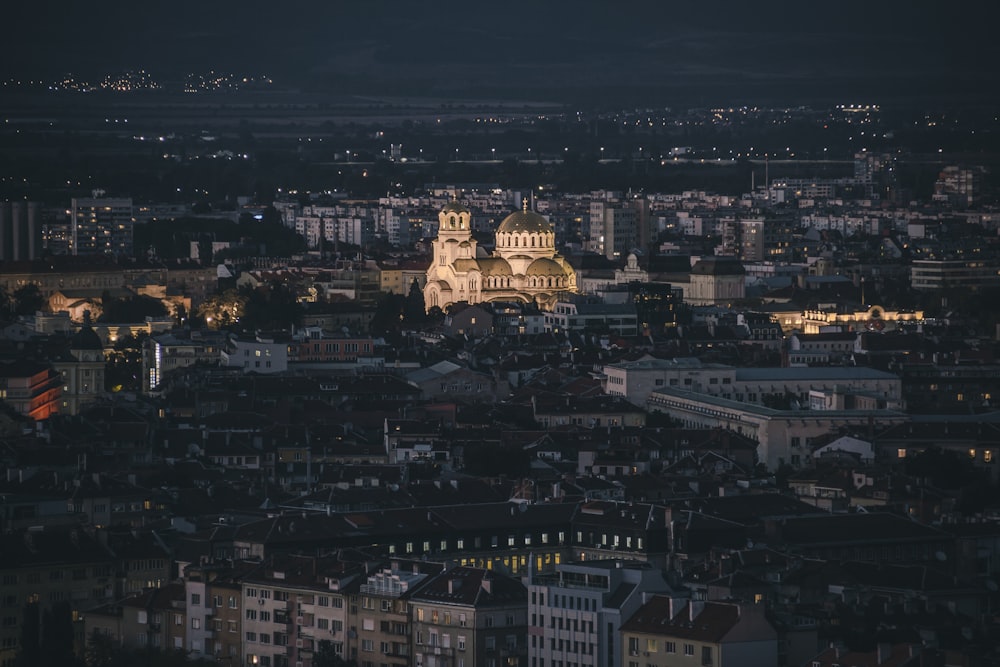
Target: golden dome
455	206
545	267
525	221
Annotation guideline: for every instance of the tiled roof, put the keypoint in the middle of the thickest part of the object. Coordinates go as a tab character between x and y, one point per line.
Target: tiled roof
709	625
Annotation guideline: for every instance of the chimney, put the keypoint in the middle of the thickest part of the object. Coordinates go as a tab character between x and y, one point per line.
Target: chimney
488	584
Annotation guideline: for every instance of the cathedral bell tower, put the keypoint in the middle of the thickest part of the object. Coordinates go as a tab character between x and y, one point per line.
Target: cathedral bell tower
454	239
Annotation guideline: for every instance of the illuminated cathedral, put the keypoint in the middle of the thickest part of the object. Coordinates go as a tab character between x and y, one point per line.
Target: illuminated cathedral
524	266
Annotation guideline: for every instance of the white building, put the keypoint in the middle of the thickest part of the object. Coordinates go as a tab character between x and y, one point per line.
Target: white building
257	355
716	281
635	380
575	613
783	436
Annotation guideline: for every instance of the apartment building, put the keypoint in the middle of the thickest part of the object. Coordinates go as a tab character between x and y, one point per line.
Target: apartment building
576	612
667	632
470	616
938	274
381	630
101	225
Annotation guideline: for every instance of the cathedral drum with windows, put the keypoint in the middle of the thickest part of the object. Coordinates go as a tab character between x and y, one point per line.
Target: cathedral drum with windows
524	267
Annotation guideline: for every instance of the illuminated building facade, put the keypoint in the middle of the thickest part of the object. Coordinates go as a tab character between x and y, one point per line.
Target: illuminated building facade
101	225
525	266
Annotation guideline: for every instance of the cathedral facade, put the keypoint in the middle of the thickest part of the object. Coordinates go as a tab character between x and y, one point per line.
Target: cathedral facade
524	266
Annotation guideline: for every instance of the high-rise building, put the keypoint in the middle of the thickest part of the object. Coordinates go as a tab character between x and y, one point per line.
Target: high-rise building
619	227
20	231
101	225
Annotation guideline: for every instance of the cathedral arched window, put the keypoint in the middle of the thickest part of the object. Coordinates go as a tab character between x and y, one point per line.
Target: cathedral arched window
515	241
452	222
532	241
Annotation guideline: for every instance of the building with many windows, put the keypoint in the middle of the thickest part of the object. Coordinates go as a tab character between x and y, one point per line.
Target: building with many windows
470	616
100	224
576	612
30	388
379	622
82	371
937	274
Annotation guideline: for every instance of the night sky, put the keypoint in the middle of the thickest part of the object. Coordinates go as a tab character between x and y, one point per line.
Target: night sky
537	49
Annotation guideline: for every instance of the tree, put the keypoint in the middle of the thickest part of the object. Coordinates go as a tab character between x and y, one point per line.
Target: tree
414	313
388	314
273	306
58	635
47	637
28	299
30	650
205	251
6	304
100	650
222	310
124	368
133	309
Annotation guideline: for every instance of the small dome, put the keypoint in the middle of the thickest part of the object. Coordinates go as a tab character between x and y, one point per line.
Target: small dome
545	267
525	221
455	206
495	266
86	339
